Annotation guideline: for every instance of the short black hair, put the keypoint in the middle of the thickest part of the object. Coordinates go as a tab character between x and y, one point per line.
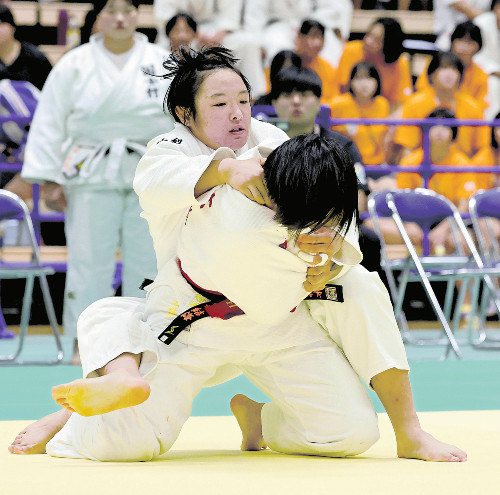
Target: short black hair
308	24
468	29
283	57
392	46
371	70
493	3
6	16
299	79
494	142
445	59
181	15
188	68
312	181
444	113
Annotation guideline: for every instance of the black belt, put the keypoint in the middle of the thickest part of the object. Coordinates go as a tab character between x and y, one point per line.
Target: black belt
218	306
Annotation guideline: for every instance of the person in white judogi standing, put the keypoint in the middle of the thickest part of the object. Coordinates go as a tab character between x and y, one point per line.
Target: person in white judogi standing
219	23
151	402
98	109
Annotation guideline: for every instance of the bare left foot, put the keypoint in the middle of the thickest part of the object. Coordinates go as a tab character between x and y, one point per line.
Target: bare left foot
34	438
92	396
248	414
422	445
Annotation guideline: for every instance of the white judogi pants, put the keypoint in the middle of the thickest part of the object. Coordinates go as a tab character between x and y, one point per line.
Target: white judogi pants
97	223
319	405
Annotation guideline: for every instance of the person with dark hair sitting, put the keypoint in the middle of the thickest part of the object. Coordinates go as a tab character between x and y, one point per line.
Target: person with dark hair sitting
20	60
466	41
363	101
180	30
383	47
283	59
308	45
445	73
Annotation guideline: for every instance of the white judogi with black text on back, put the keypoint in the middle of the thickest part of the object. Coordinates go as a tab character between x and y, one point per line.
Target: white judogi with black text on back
96	114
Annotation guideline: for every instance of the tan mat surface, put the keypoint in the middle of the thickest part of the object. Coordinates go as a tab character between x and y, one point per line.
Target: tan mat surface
206	460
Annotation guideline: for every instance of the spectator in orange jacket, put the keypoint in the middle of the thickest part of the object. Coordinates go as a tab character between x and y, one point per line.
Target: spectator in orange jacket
445	75
466	41
383	47
363	101
308	44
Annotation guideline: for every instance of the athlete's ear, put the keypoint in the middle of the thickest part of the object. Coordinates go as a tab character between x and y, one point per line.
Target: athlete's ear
184	115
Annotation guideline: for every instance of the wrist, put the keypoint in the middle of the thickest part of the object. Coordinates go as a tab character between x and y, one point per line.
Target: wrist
224	169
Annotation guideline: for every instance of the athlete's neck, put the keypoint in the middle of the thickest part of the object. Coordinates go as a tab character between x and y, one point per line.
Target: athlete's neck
119	46
297	129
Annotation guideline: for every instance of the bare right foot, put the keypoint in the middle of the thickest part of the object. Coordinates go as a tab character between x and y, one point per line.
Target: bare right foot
35	437
248	414
92	396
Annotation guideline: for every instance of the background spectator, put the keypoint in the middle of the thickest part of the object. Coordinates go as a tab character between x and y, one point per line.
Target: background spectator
383	47
278	22
363	101
308	45
219	23
281	60
466	41
445	74
98	109
20	60
180	30
449	13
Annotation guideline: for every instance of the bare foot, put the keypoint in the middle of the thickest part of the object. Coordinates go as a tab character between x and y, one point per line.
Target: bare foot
91	396
35	437
248	414
422	445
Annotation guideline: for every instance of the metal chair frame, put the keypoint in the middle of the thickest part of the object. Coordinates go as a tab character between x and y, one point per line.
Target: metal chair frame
426	268
14	207
485	205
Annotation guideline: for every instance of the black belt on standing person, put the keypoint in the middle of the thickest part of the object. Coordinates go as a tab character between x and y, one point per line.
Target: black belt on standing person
219	306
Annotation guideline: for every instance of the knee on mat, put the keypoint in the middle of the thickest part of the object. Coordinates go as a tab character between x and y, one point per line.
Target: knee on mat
139	451
357	436
122	442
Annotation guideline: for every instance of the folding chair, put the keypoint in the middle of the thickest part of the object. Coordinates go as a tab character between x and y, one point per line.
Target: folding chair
427	209
12	207
484	206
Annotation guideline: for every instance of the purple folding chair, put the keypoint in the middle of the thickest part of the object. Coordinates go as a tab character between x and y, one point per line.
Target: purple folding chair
12	207
428	208
484	206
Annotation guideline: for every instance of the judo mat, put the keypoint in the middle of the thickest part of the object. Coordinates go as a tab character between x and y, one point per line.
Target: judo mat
206	460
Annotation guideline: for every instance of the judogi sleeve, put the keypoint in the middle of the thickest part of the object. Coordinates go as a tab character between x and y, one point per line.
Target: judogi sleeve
44	155
168	172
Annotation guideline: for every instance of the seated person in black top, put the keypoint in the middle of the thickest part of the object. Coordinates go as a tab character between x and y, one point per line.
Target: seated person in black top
20	60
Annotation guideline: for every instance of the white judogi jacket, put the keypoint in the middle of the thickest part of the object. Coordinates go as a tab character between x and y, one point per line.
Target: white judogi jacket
167	174
232	245
90	112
